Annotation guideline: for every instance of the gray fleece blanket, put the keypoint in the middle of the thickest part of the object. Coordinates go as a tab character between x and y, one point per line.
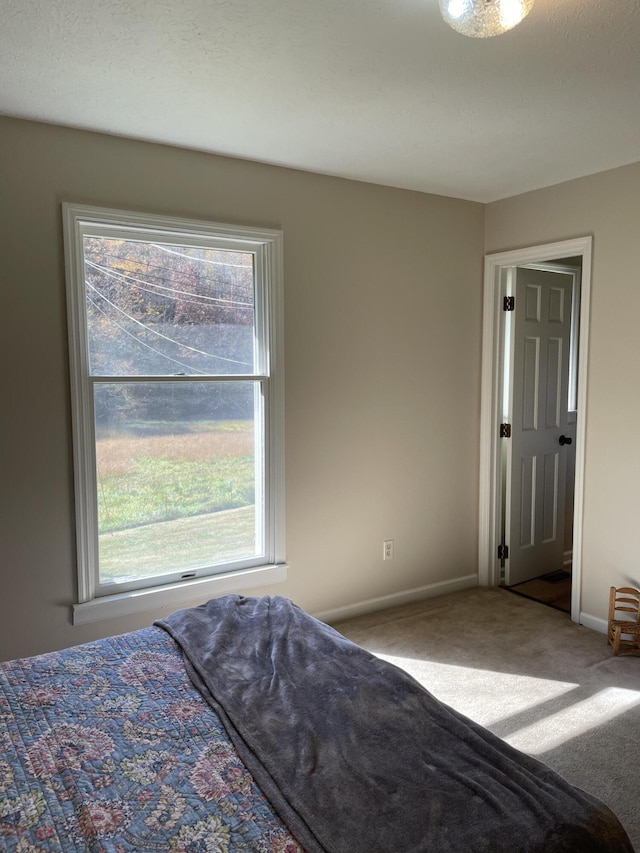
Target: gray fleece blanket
357	757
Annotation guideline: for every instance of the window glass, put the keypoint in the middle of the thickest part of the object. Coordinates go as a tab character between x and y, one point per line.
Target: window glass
178	477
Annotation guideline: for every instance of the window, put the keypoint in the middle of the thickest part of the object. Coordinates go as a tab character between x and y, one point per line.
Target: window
175	332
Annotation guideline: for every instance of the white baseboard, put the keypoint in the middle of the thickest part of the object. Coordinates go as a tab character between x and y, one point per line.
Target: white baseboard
594	622
370	605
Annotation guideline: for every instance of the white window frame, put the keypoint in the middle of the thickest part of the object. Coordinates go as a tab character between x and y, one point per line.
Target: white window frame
266	245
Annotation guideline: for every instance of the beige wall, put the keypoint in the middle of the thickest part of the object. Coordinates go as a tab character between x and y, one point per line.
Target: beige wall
382	346
606	206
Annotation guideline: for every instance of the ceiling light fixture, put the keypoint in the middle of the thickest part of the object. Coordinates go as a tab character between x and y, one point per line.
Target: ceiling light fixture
484	18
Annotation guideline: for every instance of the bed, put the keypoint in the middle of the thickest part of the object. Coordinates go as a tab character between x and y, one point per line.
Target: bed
247	725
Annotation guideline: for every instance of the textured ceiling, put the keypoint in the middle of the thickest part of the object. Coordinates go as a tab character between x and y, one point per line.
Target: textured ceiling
376	90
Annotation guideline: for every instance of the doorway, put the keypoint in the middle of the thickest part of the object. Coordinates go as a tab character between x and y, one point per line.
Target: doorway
523	487
540	411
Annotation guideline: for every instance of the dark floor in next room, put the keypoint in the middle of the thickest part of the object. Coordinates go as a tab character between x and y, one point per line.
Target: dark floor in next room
552	589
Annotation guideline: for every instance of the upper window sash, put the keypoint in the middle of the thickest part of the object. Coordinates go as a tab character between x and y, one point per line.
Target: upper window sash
260	251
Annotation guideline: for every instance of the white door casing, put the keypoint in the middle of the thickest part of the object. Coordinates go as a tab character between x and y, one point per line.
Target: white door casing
491	509
536	453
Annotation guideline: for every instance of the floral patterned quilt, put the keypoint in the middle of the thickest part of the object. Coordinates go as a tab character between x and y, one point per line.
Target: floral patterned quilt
109	747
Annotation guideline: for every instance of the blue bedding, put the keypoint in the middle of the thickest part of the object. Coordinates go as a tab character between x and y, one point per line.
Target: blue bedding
109	747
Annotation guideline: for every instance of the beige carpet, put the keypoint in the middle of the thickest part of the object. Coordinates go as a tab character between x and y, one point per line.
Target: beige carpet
549	687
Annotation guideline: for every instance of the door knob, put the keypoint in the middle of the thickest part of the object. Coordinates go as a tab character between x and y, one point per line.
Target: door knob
565	439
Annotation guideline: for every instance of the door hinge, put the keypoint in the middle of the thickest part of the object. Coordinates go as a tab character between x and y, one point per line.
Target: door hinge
509	303
503	552
505	430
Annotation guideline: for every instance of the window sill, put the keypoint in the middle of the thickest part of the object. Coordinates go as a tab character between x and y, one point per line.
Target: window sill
173	595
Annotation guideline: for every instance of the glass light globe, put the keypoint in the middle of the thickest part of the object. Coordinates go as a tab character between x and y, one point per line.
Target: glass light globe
484	18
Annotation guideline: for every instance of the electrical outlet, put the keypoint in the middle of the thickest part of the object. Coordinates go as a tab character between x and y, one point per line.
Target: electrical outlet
387	553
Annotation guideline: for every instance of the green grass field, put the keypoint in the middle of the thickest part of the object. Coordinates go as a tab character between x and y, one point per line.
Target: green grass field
175	501
184	543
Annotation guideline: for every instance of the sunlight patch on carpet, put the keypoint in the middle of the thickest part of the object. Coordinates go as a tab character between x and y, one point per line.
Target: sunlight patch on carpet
575	720
490	698
504	701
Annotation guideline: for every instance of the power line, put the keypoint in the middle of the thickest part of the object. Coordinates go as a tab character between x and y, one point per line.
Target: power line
138	282
160	335
202	260
171	271
138	341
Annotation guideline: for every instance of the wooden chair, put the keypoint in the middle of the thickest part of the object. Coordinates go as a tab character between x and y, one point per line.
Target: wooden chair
624	633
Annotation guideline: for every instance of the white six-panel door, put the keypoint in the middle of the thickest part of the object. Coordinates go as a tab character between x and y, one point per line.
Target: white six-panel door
537	452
